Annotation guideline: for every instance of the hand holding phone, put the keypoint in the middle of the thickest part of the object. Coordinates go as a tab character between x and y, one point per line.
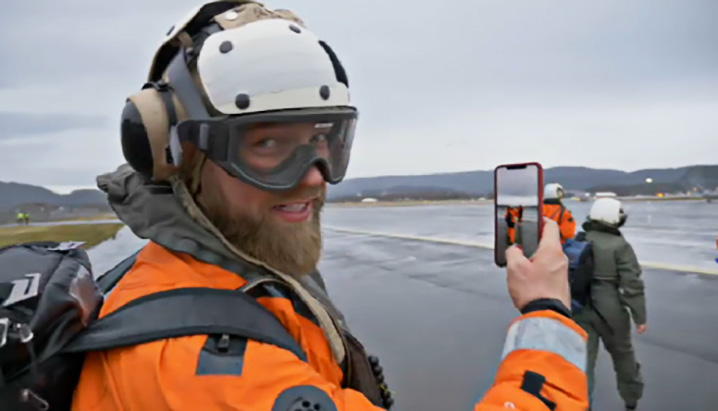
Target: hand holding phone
518	209
545	276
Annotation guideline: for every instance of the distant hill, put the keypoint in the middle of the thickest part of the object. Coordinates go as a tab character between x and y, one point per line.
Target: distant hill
480	183
702	177
422	192
15	194
432	186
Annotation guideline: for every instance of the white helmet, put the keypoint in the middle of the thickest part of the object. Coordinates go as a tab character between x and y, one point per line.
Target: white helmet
231	65
268	65
608	211
553	191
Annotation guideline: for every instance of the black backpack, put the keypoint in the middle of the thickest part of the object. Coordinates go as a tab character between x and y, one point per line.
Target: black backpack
49	303
580	270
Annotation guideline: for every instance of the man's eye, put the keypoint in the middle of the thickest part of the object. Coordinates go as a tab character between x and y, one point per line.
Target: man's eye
266	143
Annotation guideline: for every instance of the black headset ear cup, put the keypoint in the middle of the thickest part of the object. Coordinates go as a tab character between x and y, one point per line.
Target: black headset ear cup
135	140
145	132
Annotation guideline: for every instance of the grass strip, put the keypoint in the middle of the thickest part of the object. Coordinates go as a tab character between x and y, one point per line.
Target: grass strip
91	234
103	216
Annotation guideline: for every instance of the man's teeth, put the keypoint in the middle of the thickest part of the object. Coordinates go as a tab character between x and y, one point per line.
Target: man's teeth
294	208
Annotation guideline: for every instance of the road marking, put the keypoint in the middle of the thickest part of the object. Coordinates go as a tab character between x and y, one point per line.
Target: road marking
487	246
413	237
678	267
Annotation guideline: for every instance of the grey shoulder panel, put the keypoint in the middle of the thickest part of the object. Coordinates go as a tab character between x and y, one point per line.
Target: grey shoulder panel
304	398
215	364
222	355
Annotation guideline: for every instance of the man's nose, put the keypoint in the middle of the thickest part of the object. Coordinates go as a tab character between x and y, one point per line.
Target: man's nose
312	178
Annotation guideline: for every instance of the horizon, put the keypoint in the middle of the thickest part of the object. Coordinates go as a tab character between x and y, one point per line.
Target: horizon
69	189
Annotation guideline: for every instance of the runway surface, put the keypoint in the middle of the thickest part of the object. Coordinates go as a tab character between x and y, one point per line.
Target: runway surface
436	315
675	233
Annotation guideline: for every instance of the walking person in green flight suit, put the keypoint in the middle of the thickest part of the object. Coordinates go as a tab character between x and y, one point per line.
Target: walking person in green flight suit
617	296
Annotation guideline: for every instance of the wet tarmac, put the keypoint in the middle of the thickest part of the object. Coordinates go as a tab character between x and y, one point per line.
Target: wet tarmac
106	255
447	306
675	232
436	314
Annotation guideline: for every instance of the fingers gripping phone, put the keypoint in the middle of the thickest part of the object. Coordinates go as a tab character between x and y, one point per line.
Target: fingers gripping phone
518	209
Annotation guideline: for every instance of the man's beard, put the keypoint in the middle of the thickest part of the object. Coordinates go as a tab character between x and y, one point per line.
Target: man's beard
293	249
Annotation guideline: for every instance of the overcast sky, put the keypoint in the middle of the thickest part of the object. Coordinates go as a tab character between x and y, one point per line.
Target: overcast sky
441	86
517	187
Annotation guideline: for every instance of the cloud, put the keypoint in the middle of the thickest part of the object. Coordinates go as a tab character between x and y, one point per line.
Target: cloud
71	157
627	137
13	125
440	86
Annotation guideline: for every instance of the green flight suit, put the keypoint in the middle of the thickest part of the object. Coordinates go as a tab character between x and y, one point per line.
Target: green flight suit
617	294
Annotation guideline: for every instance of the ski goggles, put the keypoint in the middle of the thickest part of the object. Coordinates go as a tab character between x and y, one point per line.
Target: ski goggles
274	150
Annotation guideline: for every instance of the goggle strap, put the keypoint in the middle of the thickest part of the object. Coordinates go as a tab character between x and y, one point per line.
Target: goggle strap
180	80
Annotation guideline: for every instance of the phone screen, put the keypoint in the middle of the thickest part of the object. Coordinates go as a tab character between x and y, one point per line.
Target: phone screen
518	209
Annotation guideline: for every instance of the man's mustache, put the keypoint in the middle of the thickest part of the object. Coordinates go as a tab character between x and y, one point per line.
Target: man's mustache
316	195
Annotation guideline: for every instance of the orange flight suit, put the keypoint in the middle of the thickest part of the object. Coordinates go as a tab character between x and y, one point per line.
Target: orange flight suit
513	214
167	374
565	221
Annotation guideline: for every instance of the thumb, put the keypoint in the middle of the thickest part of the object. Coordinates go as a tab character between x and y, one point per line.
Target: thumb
514	255
551	235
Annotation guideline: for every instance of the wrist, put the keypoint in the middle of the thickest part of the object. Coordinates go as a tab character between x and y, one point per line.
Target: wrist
552	304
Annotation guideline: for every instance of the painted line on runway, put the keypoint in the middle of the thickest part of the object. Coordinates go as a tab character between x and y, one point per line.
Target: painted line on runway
678	267
486	246
413	237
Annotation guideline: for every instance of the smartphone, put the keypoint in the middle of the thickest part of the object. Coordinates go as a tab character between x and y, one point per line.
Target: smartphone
518	209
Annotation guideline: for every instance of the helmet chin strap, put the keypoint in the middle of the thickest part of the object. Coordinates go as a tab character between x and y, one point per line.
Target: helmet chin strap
180	80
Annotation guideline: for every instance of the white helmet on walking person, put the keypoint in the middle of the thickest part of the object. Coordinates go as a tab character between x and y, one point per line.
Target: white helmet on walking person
608	211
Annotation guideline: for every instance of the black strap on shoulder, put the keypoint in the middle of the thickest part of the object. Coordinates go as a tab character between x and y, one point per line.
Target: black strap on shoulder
109	279
184	312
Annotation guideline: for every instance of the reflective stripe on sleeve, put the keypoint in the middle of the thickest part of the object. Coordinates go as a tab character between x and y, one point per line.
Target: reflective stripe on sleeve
546	334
